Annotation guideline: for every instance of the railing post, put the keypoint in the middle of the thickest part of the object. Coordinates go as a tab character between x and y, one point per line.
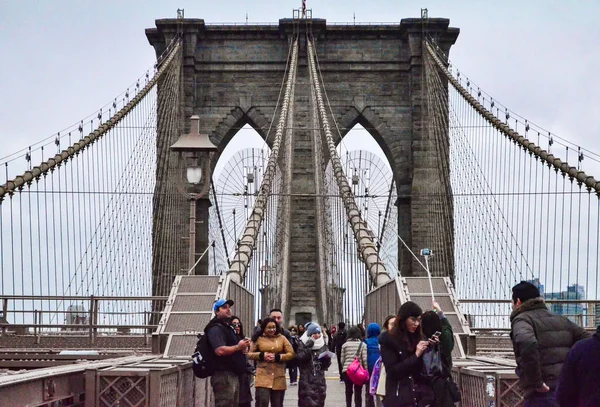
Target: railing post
35	323
93	319
39	330
4	313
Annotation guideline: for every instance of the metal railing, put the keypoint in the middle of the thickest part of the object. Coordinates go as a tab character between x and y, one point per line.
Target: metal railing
493	315
105	316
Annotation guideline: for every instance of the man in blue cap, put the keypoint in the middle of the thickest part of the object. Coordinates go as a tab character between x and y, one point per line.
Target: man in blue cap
230	361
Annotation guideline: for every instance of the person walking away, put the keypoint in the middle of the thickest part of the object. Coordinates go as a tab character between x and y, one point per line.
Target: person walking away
292	367
578	384
373	353
326	334
271	350
338	341
363	332
388	323
438	331
230	359
331	342
354	347
541	341
313	360
246	378
401	352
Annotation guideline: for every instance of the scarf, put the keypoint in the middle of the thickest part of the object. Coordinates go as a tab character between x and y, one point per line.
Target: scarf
319	343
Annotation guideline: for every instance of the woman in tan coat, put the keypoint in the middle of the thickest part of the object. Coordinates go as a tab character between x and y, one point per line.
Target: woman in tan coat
271	350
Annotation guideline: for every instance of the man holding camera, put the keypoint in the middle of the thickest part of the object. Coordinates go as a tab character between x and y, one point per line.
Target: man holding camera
230	362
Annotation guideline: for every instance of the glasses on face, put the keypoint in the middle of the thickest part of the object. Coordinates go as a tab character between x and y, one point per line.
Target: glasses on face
293	331
236	324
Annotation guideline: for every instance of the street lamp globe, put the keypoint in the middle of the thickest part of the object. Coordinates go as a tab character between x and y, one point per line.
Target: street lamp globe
194	155
194	175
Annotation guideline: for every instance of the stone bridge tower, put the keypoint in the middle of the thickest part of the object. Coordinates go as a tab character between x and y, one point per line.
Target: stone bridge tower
373	76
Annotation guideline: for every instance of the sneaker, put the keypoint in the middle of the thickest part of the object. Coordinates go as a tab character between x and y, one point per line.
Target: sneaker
294	384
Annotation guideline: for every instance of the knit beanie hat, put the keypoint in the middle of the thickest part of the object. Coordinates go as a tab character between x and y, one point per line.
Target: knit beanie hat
525	291
313	329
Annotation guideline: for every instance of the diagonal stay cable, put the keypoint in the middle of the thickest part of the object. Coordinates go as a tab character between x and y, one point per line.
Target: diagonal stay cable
51	163
556	162
362	233
241	260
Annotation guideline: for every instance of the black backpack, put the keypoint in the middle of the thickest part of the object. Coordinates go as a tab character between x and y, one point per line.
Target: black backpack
204	355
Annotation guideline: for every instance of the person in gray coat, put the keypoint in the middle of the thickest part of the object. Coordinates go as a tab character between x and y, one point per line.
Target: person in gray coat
541	341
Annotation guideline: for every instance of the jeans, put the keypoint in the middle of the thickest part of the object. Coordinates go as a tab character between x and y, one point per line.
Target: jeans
265	395
352	388
339	361
541	400
369	400
293	374
226	388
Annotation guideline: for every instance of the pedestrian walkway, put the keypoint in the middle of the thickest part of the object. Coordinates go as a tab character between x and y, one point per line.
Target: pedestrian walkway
335	390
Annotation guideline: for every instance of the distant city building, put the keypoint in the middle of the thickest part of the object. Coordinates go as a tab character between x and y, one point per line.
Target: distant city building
536	282
576	312
76	315
595	314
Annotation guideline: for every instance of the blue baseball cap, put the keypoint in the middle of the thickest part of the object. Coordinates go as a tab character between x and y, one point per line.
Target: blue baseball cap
220	303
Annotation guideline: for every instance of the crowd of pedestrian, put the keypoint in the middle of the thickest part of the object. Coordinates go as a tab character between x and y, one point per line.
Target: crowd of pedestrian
407	361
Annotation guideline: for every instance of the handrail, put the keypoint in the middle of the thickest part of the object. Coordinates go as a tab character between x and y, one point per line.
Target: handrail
89	297
493	301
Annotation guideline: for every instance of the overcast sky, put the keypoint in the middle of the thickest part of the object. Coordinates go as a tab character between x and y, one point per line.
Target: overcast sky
62	60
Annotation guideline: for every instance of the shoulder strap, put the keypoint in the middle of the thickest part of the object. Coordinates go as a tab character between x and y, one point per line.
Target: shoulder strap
359	349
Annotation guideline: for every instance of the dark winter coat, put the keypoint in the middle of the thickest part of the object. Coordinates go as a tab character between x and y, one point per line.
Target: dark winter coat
312	387
541	341
372	341
578	385
404	383
339	339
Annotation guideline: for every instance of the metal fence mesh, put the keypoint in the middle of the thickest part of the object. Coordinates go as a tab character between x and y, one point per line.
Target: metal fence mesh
123	391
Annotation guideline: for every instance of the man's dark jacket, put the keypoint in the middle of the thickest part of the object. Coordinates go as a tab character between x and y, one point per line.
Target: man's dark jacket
339	339
579	383
541	341
236	362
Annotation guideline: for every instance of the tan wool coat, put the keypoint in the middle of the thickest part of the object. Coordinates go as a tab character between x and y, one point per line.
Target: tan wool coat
271	375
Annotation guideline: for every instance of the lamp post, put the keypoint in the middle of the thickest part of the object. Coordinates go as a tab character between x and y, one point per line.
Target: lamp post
195	153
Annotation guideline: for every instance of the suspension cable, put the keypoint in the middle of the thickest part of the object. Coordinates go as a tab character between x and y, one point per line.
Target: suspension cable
362	233
239	264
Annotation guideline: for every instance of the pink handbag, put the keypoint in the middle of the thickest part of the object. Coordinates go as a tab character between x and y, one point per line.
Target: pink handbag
358	374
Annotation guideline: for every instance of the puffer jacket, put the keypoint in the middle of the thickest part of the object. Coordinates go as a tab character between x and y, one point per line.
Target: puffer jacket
312	387
372	341
271	375
541	341
349	352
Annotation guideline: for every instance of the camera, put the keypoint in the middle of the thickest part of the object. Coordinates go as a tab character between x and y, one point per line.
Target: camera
425	252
